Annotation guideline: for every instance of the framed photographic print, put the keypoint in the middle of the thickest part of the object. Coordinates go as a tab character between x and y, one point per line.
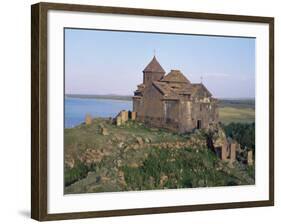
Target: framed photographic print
140	111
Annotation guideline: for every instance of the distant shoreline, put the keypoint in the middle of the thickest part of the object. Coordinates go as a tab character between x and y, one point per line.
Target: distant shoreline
223	102
107	97
129	98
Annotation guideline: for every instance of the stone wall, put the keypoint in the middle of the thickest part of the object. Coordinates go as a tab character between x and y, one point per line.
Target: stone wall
186	124
122	117
250	160
88	119
149	77
182	114
228	152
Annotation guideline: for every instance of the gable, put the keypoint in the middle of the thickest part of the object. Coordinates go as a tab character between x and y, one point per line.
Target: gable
175	76
200	90
153	91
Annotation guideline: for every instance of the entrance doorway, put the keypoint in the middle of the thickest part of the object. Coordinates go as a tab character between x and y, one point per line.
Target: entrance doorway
199	124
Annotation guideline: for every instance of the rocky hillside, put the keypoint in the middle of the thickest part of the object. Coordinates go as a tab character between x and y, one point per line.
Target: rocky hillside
103	157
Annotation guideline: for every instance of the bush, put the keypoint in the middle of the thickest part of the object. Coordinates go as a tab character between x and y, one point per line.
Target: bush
184	169
76	173
251	171
243	133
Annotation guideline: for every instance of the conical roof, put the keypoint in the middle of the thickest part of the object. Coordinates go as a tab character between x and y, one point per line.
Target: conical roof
154	66
175	76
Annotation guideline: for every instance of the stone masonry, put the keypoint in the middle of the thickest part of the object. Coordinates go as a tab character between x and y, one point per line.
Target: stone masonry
171	101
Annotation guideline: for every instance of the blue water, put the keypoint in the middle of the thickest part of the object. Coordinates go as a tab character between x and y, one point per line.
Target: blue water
76	109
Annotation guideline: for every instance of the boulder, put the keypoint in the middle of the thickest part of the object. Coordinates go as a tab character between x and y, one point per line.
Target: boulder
119	162
147	140
104	131
133	165
118	120
135	146
69	161
163	180
139	140
120	144
121	178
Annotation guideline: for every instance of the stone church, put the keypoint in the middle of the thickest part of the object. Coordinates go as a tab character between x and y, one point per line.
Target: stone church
172	102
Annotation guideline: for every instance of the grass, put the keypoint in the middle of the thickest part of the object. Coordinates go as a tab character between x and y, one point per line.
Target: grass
149	168
237	103
236	115
89	136
77	140
76	173
182	168
142	168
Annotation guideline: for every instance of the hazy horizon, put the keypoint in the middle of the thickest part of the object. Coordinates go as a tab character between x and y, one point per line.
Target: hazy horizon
111	62
112	94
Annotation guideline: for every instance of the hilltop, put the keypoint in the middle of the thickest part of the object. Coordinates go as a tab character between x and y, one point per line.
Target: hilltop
103	157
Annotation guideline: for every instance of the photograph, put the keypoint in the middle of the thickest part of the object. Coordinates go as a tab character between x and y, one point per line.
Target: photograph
154	111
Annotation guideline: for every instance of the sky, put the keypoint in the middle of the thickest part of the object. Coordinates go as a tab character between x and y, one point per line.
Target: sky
111	62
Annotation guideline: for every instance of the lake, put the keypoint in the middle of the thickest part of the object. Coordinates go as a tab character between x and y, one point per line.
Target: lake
77	108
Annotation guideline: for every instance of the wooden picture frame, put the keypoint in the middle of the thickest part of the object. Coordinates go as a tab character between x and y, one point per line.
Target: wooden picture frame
39	109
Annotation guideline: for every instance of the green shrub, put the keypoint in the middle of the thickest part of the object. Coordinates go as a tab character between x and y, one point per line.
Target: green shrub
78	172
183	167
251	171
242	132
